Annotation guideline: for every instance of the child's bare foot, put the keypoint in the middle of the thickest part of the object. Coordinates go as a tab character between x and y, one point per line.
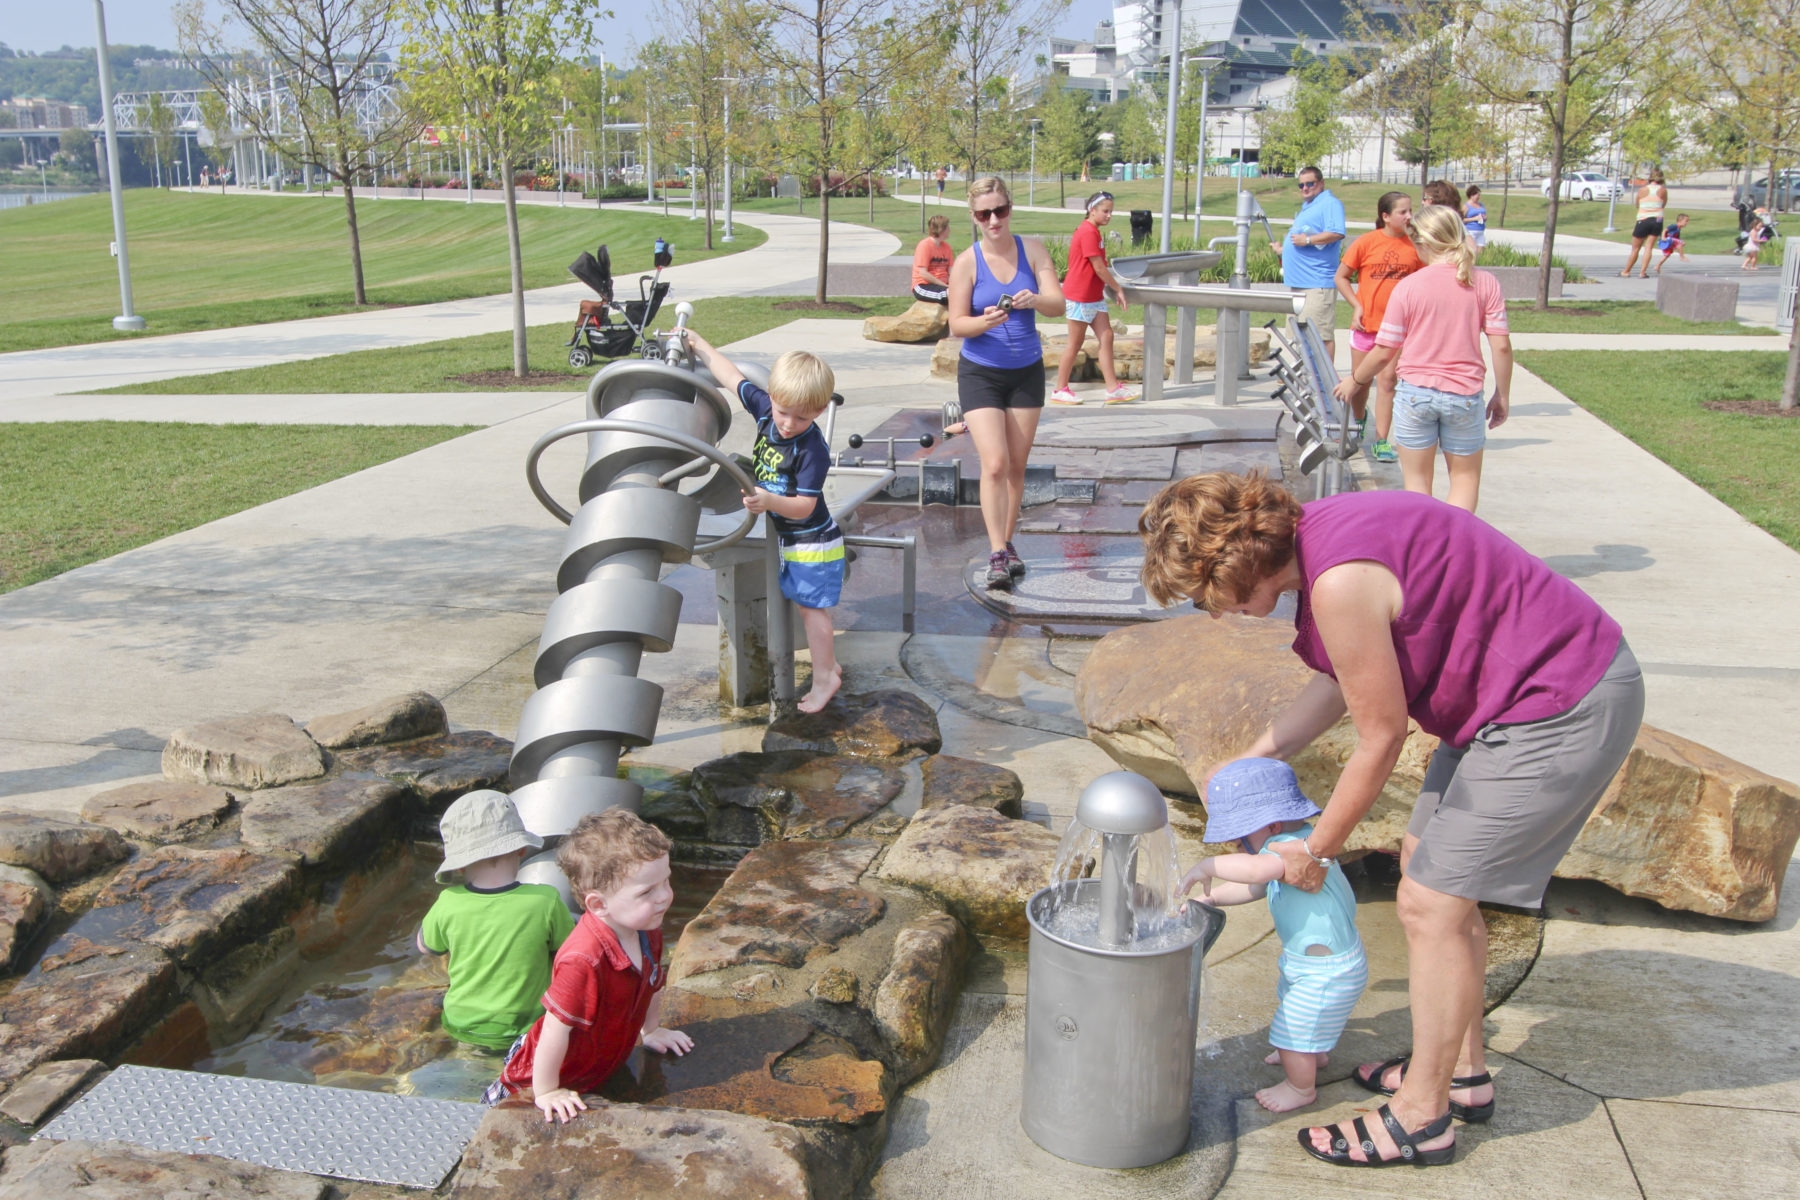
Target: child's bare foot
1285	1097
823	689
1274	1059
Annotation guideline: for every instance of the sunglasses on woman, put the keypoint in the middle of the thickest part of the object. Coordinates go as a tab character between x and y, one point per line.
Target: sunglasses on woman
1000	211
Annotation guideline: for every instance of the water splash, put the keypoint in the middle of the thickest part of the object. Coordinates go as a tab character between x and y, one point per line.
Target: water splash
1152	882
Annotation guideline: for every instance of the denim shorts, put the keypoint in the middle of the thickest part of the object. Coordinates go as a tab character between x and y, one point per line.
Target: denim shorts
1076	310
1425	417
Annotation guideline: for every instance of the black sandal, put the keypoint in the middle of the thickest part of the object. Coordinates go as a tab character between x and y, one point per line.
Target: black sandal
1472	1114
1408	1144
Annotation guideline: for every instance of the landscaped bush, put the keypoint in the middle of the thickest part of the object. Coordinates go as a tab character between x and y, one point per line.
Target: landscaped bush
1498	254
844	185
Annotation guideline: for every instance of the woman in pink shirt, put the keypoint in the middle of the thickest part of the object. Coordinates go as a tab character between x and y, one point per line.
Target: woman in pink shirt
1433	324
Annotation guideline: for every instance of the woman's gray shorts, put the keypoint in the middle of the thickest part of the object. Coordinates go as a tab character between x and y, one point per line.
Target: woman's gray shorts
1495	817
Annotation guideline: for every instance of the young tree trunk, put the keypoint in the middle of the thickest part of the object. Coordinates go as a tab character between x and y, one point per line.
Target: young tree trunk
1790	387
824	232
709	208
521	368
1062	196
356	271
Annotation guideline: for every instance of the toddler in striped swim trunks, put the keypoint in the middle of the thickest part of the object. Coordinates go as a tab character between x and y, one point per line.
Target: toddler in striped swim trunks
1257	802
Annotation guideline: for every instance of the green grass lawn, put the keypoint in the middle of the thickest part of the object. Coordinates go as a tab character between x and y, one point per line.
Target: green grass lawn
436	366
1745	460
204	261
75	492
1613	316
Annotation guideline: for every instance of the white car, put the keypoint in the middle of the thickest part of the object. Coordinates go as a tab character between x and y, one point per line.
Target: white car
1585	185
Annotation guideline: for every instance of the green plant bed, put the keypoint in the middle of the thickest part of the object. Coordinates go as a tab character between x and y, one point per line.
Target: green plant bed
1614	316
1659	400
74	492
205	261
483	363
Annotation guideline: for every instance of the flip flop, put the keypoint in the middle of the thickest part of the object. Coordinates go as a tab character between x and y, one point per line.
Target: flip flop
1408	1144
1472	1114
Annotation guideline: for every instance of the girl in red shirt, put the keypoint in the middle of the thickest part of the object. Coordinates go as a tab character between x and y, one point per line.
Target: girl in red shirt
1084	290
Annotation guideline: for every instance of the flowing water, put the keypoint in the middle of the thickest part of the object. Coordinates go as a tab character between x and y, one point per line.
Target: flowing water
1153	879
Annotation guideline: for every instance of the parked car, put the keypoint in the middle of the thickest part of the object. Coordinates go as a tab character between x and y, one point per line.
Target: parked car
1586	185
1787	192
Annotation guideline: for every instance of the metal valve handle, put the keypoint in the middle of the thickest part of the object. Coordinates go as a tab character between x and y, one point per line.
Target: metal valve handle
609	425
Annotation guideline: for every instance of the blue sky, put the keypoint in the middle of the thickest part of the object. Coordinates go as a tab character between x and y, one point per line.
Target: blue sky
38	26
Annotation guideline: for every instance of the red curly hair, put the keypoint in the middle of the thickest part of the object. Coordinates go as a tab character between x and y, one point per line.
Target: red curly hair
1213	538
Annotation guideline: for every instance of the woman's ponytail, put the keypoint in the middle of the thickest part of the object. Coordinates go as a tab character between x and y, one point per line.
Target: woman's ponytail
1438	231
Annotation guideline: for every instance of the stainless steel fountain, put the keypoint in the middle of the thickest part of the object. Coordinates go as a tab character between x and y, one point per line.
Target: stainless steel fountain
1112	1003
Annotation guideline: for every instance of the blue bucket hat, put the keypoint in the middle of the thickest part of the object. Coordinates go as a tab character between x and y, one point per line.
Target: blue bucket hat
1251	793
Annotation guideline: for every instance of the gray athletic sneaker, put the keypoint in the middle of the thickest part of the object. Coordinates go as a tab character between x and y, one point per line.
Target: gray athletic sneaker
999	576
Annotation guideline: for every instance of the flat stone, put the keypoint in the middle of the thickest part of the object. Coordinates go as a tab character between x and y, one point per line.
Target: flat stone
923	322
60	851
159	810
25	904
82	1000
980	865
757	983
382	1033
121	1171
772	1064
439	769
194	904
43	1091
263	750
952	780
914	1002
325	823
669	802
751	798
883	724
394	719
630	1151
835	985
786	903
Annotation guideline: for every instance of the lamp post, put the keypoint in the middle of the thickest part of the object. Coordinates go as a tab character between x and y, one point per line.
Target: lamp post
126	320
44	176
1168	196
1208	64
1612	190
727	80
1031	187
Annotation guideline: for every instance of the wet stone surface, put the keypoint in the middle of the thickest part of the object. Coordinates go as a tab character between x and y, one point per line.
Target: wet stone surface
59	851
43	1091
980	865
786	903
82	1000
25	904
750	798
916	997
265	750
386	1032
393	719
952	780
835	985
120	1171
325	823
624	1150
159	810
194	904
438	769
884	724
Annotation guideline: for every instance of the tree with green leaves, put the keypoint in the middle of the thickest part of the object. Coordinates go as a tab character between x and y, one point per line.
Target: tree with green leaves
1303	128
488	66
1405	66
328	53
215	115
159	119
697	65
1070	136
990	43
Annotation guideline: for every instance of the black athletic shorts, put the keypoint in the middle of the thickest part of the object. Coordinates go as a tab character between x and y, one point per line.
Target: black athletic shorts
999	387
1649	227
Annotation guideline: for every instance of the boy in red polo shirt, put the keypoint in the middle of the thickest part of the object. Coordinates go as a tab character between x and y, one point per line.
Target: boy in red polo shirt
605	987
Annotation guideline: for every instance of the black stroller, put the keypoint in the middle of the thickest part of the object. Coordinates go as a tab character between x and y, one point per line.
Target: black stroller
606	328
1747	216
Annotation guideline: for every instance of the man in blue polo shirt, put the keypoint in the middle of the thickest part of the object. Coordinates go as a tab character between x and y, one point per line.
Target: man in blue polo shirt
1309	256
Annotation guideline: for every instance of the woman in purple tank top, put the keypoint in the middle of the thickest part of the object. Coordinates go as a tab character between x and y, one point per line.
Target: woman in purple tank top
997	288
1412	608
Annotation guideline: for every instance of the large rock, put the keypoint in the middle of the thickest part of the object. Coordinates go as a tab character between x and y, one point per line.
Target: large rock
194	904
786	903
121	1171
915	999
82	1000
884	724
945	359
923	322
60	851
751	798
332	822
25	903
265	750
439	769
1681	824
159	810
631	1152
980	865
43	1091
394	719
952	780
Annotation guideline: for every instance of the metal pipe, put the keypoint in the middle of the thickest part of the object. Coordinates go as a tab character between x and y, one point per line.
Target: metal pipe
1207	295
1168	162
781	622
126	320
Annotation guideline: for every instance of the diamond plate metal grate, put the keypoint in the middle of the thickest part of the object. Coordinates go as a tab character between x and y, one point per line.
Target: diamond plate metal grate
373	1137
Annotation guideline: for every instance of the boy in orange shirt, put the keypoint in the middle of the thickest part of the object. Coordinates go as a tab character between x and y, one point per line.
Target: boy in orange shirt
931	263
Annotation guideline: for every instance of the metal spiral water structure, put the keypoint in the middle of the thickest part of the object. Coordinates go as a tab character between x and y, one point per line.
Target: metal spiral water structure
652	429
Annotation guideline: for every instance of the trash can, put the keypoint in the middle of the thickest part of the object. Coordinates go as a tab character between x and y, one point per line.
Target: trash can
1140	226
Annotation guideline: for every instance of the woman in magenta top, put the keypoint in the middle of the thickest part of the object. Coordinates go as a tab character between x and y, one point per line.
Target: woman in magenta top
1409	607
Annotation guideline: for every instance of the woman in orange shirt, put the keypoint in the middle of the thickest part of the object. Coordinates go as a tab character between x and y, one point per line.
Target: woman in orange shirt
1379	260
931	263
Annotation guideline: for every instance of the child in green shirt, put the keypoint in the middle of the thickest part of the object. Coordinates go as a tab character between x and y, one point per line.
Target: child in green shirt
500	934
